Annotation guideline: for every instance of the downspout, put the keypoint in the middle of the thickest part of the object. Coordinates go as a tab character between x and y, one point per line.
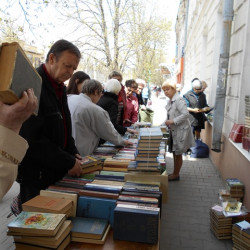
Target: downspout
218	119
184	47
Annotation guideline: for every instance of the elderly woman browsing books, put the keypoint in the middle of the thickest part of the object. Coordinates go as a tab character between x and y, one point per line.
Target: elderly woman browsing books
91	122
181	136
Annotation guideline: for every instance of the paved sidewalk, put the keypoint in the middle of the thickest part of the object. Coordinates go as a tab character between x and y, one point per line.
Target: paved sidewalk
185	218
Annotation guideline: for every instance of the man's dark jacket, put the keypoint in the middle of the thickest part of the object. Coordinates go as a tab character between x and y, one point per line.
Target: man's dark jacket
196	101
46	160
109	102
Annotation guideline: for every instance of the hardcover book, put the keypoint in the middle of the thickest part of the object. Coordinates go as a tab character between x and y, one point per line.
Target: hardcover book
45	241
145	224
91	228
90	160
92	207
16	74
34	223
48	205
92	168
92	241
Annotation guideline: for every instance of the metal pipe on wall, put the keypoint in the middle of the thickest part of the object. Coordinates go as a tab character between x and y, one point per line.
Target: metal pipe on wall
218	118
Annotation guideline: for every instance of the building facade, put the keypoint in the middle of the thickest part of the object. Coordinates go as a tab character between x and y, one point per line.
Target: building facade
200	38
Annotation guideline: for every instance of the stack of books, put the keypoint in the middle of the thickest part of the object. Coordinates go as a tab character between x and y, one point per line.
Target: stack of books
220	225
236	188
47	204
89	230
241	235
72	184
91	163
148	149
136	223
34	230
119	165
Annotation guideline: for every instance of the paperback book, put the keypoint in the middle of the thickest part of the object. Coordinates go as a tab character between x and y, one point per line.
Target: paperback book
36	223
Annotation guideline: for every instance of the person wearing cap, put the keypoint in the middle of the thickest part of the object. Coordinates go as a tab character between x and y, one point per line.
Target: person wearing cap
196	103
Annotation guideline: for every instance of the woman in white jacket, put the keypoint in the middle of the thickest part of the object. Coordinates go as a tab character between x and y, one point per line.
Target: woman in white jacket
91	122
181	136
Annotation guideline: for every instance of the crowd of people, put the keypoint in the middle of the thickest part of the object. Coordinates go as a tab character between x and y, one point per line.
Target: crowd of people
38	150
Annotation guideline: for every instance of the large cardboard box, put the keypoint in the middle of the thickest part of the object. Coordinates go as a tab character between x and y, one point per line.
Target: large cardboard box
163	179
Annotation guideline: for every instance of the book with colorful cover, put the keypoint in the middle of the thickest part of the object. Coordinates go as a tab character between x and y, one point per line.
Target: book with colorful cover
36	223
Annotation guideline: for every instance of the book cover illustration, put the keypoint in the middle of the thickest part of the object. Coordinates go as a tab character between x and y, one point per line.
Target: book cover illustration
36	221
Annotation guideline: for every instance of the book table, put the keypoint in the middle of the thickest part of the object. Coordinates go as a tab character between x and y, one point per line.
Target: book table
111	244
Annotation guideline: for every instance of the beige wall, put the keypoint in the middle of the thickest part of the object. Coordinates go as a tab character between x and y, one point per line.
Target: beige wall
230	162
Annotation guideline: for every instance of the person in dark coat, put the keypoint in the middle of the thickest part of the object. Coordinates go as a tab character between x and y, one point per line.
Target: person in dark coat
109	102
52	152
196	105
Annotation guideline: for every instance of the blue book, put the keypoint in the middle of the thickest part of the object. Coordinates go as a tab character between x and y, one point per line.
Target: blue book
91	228
134	223
93	207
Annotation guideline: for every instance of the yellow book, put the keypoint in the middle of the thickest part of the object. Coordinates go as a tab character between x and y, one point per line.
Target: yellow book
16	74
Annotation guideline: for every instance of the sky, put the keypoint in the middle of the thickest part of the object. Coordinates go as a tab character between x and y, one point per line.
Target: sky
164	8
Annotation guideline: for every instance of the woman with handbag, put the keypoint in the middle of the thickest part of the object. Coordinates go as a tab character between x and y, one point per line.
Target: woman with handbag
181	136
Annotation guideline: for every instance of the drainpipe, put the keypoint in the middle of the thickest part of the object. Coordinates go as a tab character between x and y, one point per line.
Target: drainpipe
184	47
218	119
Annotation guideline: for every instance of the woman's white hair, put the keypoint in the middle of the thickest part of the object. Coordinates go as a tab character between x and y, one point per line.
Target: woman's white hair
113	86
